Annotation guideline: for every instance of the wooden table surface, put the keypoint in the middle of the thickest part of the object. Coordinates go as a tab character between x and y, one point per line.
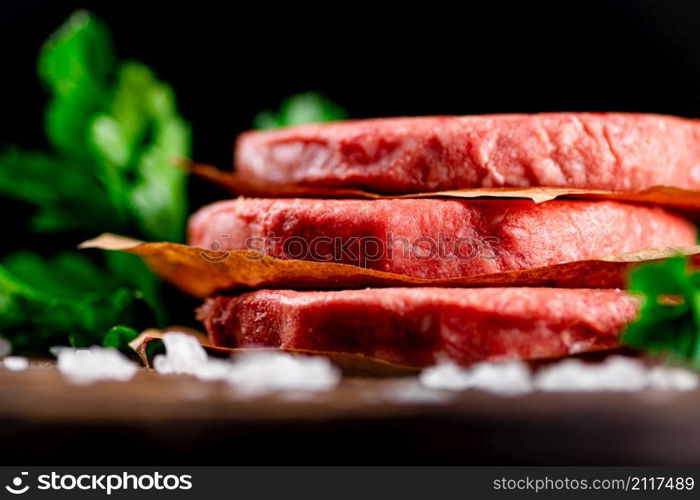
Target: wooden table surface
156	419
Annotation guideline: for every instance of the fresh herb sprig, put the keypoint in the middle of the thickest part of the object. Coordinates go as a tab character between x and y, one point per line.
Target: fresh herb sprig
65	299
669	317
308	107
113	130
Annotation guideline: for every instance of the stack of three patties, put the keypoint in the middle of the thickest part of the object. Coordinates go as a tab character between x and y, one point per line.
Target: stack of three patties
439	237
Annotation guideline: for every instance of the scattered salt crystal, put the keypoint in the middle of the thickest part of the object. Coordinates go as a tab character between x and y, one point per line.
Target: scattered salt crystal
183	354
5	347
84	366
511	377
446	376
16	363
616	373
254	372
215	369
668	378
262	372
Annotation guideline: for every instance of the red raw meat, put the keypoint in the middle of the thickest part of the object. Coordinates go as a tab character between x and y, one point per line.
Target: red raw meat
428	238
419	326
611	151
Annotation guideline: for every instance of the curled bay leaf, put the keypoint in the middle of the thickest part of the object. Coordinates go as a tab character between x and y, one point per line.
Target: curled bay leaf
202	272
682	200
148	344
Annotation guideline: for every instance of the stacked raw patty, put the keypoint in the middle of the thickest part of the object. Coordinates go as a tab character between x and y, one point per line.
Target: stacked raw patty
446	238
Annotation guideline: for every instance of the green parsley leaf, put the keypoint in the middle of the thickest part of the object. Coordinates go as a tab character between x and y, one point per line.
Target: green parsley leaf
77	56
75	64
298	109
114	131
137	140
119	337
153	348
66	194
669	318
65	299
133	272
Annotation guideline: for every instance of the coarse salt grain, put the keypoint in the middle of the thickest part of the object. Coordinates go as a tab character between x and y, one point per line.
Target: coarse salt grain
616	373
183	355
260	372
15	363
252	372
512	377
85	366
669	378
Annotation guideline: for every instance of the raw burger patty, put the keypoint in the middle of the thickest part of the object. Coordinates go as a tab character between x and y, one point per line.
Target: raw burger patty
418	326
612	151
429	238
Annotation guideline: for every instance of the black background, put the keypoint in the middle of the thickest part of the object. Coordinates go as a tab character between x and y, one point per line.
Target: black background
229	60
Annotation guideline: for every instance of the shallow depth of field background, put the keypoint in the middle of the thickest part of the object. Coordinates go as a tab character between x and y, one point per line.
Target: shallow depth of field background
227	62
